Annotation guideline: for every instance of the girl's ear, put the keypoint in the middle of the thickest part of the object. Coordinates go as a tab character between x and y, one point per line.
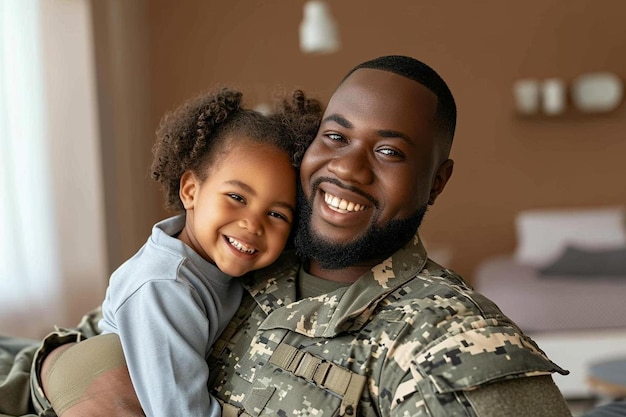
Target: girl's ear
188	187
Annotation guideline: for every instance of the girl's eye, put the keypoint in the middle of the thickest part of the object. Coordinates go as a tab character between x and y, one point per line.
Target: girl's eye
278	216
335	136
237	197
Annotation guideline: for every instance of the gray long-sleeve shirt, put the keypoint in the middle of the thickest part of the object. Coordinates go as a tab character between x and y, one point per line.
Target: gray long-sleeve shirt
168	305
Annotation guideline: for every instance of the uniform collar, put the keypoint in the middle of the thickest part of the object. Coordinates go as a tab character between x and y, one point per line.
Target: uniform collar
344	309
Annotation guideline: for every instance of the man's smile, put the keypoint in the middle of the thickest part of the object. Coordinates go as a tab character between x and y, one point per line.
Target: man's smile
342	205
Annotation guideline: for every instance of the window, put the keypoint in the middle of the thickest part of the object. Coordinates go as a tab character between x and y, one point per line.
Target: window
51	212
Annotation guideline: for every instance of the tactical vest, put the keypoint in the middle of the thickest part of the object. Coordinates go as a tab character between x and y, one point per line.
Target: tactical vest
415	351
340	381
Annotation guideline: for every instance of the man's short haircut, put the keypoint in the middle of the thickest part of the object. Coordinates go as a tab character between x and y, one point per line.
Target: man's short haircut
416	70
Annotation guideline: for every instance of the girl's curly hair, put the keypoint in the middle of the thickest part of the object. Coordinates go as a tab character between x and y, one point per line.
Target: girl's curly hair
190	137
300	117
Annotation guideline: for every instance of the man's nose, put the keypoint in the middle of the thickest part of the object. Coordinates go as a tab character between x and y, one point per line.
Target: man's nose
353	165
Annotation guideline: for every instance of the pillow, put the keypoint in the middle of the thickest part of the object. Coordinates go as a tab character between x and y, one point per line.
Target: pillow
543	235
578	262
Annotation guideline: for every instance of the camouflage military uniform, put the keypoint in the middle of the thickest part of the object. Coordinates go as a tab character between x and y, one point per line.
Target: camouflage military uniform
409	338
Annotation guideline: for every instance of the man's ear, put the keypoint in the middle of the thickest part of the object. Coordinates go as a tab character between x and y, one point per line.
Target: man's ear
188	188
443	174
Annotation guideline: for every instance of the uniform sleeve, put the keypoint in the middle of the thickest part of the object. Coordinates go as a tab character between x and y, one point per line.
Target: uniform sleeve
164	331
472	373
526	396
523	395
87	327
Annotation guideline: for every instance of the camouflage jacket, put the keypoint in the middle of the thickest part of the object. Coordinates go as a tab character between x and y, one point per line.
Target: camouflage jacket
408	338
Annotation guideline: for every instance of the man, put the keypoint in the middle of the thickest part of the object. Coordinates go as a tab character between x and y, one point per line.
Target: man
364	324
385	331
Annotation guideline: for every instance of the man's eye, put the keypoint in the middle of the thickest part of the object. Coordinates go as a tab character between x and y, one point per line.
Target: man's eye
389	152
237	197
278	215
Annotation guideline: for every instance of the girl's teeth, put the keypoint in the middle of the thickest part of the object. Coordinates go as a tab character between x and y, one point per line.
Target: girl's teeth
240	246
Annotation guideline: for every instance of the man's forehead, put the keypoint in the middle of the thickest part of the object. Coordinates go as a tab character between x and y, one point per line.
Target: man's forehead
388	97
381	89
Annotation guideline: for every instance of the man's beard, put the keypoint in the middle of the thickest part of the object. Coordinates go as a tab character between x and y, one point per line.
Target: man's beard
376	244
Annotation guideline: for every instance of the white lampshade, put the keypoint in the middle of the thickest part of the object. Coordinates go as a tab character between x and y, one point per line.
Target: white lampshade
318	30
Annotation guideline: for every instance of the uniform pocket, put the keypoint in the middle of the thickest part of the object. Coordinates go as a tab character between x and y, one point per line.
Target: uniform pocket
277	392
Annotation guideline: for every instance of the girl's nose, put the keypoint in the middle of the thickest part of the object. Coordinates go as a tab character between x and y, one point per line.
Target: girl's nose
252	224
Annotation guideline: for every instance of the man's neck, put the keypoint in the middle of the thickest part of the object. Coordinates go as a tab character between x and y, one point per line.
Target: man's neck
349	274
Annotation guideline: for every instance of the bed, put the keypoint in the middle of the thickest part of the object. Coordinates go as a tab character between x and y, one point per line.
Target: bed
565	285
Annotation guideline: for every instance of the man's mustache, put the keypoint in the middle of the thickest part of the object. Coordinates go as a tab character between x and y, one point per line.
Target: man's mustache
316	184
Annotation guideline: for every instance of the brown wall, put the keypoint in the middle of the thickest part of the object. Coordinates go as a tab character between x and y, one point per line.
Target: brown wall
504	163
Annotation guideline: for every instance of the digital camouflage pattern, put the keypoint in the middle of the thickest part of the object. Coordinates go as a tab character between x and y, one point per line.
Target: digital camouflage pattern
419	335
409	338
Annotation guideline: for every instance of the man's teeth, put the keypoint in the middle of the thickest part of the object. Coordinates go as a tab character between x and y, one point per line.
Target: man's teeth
240	246
341	205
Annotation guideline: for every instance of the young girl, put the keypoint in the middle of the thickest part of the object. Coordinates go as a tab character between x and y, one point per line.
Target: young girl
232	172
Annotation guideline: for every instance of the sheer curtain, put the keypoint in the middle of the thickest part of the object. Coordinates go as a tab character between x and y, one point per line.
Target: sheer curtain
52	256
28	269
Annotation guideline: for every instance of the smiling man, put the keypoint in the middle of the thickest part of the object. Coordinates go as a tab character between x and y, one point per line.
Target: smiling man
361	322
371	172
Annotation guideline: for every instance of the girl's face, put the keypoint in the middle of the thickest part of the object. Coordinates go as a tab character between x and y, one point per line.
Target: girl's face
240	217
